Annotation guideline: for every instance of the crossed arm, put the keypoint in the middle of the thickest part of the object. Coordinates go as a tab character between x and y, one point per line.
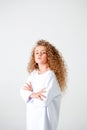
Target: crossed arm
38	95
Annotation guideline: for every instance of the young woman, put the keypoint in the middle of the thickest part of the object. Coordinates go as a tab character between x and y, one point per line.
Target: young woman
42	90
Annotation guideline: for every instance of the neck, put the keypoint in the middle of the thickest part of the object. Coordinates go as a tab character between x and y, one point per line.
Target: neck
43	68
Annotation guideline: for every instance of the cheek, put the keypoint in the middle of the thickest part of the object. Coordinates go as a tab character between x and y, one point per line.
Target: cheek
45	58
35	57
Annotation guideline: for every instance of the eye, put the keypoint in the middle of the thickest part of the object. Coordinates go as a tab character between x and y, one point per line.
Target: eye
43	52
36	53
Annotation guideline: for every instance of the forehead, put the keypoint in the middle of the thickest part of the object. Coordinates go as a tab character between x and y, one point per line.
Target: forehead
40	48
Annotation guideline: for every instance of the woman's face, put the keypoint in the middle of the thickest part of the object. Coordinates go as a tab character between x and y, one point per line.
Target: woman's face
40	55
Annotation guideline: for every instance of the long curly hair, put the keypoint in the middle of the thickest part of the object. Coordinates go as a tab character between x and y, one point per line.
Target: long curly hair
55	61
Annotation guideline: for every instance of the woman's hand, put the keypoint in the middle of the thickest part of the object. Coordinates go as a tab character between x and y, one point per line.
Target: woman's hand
39	95
28	87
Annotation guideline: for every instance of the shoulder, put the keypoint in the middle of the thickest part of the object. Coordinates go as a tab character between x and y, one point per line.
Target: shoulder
53	82
51	77
51	74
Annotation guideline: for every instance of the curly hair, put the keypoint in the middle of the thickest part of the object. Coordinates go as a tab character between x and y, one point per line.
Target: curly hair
55	61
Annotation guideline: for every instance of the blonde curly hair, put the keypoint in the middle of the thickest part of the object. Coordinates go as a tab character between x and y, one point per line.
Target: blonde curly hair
55	61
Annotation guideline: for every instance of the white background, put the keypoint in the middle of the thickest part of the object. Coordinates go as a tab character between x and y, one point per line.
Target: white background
61	22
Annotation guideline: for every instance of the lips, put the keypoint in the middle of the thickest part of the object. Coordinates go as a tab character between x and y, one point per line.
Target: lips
39	58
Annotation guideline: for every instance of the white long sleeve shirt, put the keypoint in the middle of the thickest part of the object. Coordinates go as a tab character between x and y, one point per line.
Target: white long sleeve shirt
42	114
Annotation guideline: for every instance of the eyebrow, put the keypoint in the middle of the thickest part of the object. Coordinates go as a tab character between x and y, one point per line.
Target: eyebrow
40	50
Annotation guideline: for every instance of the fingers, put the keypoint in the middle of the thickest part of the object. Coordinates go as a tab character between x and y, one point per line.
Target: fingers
40	95
28	88
29	85
43	90
37	95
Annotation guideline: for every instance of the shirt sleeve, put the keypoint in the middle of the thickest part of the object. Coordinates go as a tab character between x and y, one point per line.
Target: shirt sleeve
52	89
25	94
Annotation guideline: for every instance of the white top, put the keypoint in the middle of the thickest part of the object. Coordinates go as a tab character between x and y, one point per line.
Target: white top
42	114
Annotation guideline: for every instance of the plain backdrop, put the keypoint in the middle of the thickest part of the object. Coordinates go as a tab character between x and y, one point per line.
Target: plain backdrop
61	22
